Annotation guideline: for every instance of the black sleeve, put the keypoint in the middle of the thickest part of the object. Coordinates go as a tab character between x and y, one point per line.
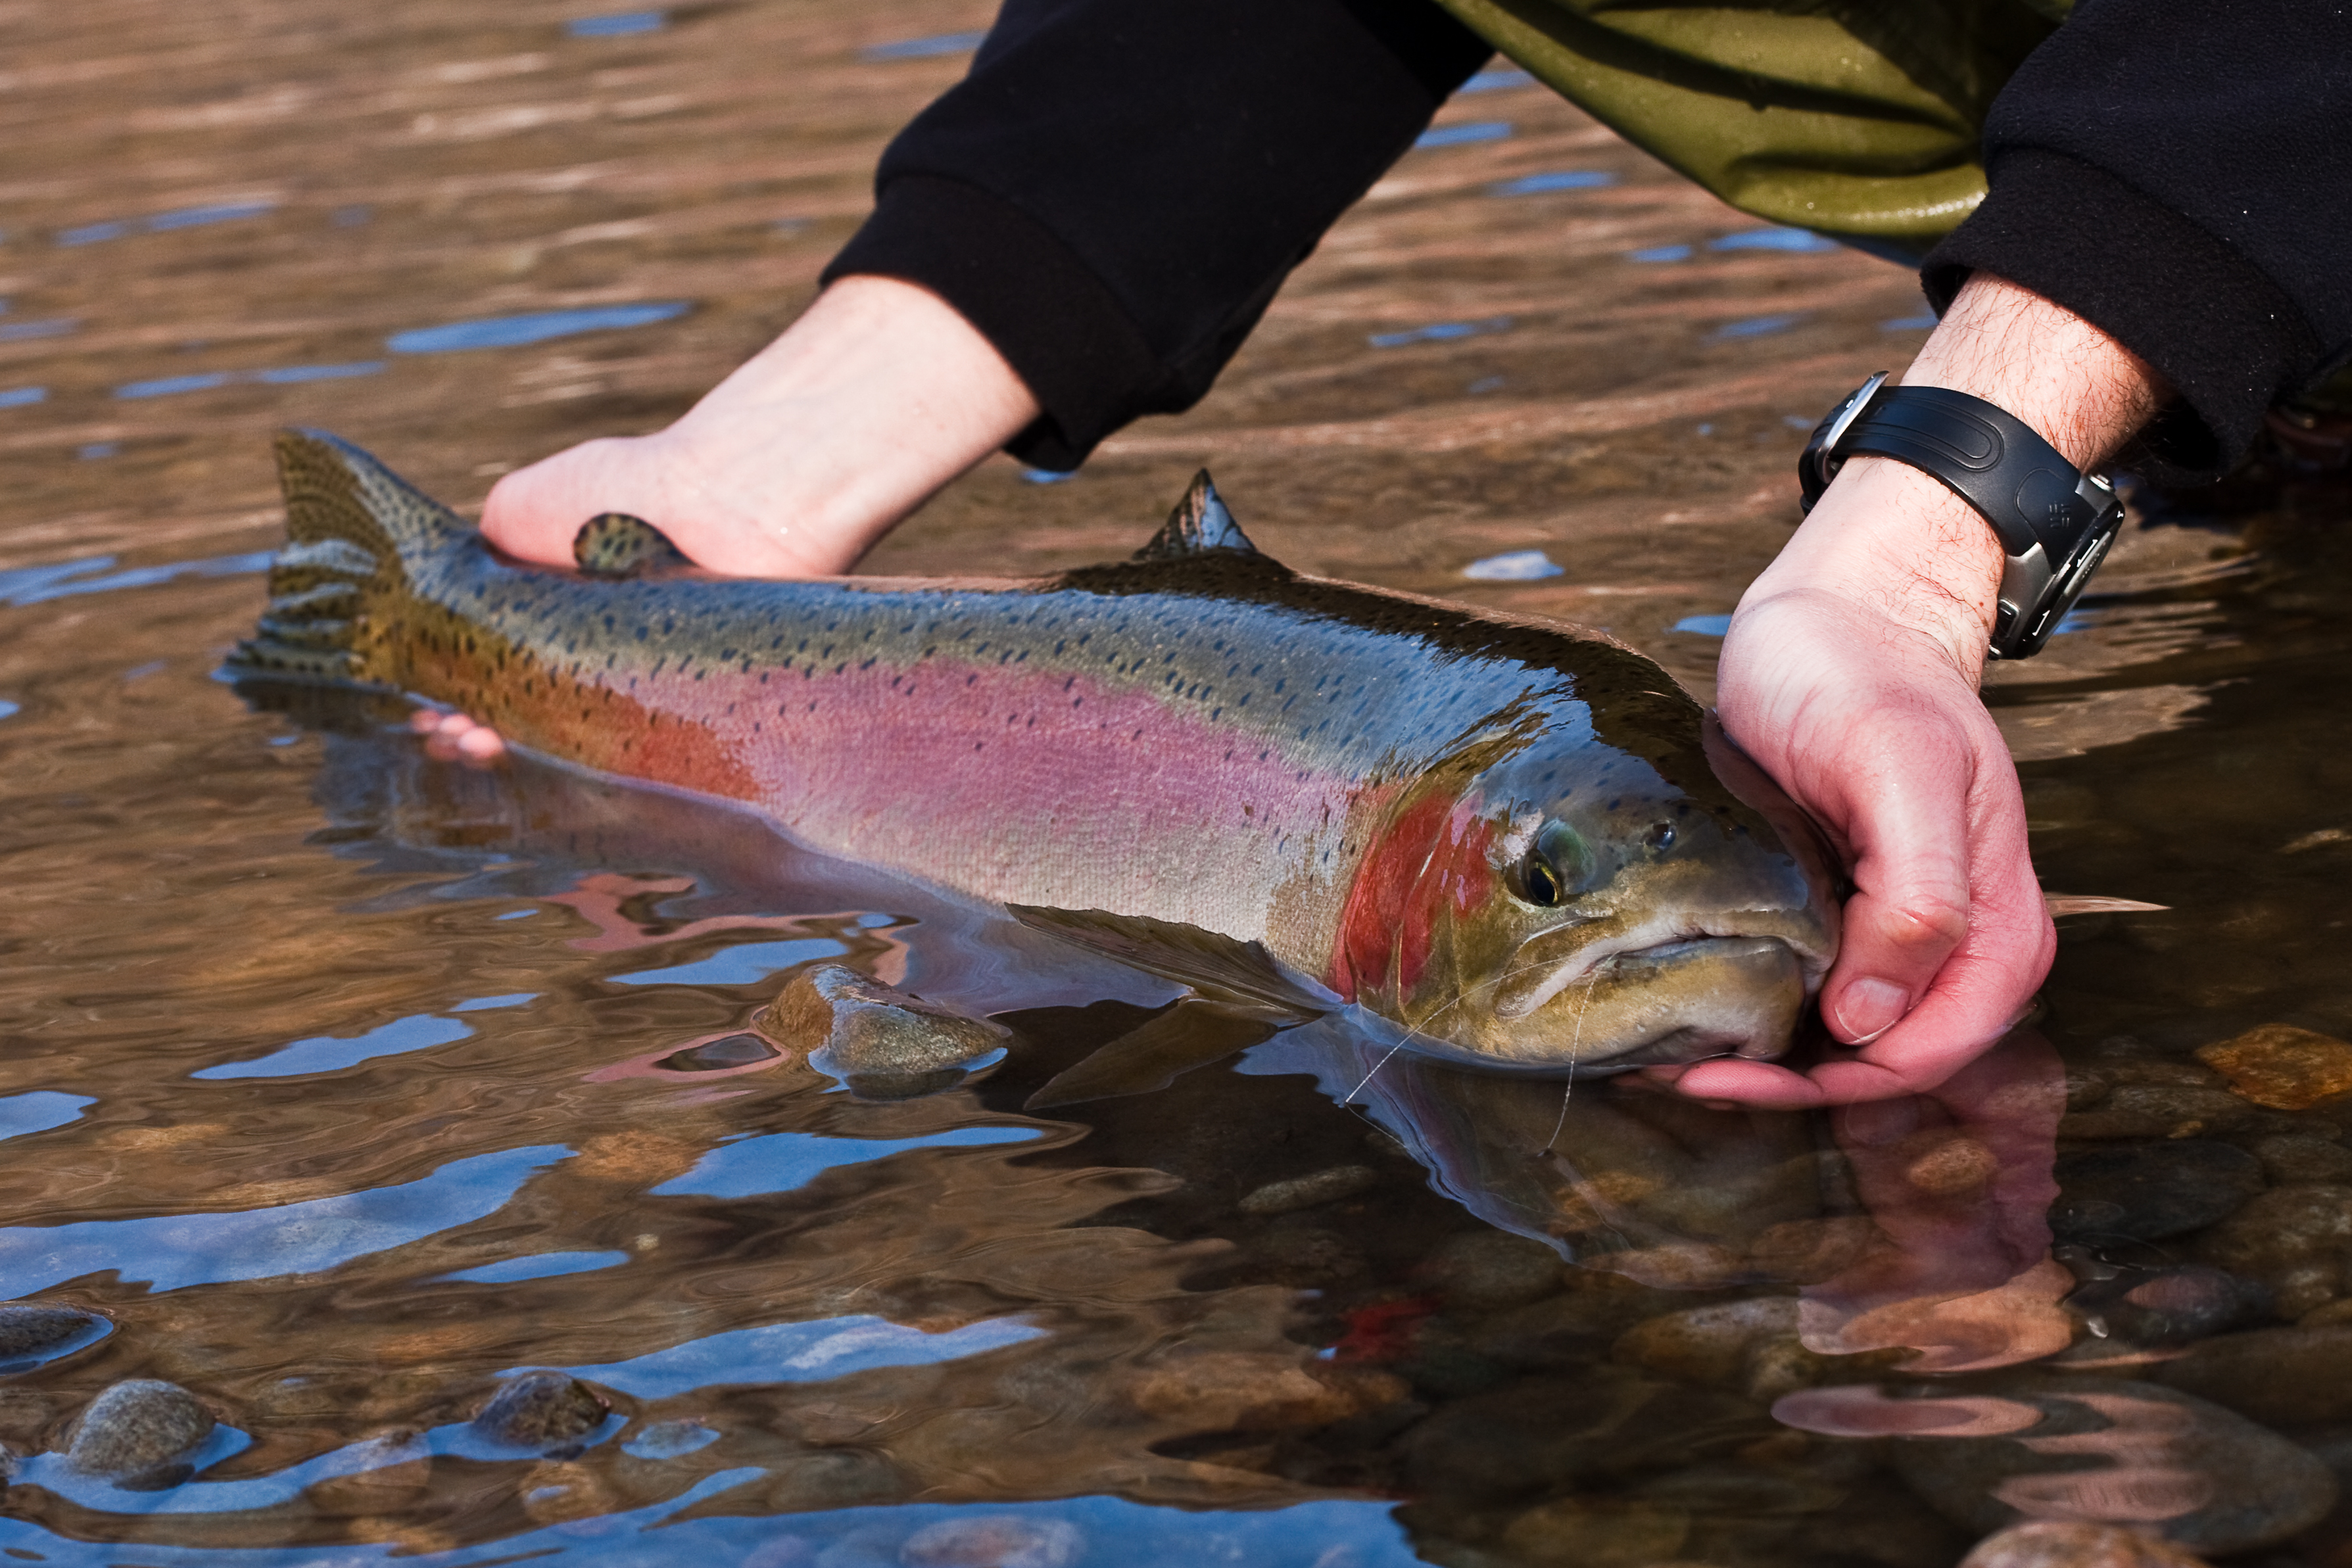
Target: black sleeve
2178	172
1118	187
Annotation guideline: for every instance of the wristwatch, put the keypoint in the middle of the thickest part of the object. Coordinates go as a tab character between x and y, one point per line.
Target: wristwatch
2055	522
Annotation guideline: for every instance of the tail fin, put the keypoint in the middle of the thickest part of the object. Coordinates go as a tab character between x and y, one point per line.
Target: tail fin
352	525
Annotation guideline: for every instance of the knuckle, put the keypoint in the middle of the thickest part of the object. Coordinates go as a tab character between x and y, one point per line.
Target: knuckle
1924	919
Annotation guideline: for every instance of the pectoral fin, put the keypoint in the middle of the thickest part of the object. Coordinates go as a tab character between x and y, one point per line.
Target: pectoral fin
1194	1033
2061	905
1241	976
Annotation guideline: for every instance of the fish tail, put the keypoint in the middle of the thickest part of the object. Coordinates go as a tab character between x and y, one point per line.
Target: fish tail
352	528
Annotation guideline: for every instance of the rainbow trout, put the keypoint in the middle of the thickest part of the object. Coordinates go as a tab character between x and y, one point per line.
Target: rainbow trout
1519	843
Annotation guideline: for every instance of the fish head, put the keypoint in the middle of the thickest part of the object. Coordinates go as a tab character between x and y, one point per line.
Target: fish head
1568	905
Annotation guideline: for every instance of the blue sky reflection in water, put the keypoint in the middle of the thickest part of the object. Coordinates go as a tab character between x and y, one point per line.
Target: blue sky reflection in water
532	327
173	1252
785	1161
800	1353
41	1109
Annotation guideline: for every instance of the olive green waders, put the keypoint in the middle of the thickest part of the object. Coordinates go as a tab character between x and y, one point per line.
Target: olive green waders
1863	120
1860	119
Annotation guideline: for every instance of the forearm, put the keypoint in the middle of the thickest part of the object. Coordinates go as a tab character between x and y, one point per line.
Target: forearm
796	464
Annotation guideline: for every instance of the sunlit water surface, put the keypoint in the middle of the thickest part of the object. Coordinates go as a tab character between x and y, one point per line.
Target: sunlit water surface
346	1083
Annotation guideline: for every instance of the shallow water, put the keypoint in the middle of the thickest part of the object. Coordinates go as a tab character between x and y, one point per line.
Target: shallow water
346	1083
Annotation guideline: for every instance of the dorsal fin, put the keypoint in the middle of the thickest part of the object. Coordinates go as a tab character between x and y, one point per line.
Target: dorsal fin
616	545
1199	523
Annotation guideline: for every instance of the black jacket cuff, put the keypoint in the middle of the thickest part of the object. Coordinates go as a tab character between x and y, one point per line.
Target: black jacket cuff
1045	312
2226	337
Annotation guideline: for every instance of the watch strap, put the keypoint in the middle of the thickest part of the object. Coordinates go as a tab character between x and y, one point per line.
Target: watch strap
2054	522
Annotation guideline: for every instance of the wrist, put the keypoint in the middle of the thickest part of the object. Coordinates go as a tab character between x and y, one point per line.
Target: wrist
1895	543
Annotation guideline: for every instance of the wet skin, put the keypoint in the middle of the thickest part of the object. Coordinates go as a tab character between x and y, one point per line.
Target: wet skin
1507	835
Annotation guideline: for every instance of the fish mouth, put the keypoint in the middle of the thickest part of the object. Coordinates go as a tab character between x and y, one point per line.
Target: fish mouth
1679	1001
1645	952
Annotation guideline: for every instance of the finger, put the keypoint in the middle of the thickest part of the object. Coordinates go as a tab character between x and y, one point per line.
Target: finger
1978	998
1910	821
481	744
1756	1083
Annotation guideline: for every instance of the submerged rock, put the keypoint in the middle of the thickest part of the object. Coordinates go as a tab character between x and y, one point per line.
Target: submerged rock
2158	1111
1307	1191
2290	1377
1486	1270
542	1410
1240	1391
2282	1067
2051	1544
2169	1463
1597	1532
2294	1157
140	1433
884	1043
994	1540
2292	1238
2174	1306
2154	1191
33	1332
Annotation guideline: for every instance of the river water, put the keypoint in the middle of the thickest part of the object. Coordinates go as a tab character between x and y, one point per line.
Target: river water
346	1084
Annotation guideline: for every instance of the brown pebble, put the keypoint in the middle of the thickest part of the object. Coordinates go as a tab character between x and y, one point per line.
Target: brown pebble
2049	1544
886	1043
2282	1067
1304	1192
542	1410
1236	1391
1953	1167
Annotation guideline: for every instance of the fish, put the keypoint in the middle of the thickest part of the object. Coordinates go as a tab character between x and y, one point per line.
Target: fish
1491	838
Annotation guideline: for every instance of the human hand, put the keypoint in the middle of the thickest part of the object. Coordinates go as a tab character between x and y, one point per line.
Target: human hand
793	467
1850	675
1863	706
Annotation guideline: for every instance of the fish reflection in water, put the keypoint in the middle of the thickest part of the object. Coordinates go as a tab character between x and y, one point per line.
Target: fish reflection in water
858	1314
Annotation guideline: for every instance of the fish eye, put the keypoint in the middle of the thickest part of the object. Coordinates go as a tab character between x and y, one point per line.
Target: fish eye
1555	867
1660	837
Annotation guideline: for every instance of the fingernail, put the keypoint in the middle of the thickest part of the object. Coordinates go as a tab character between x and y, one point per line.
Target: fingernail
1868	1009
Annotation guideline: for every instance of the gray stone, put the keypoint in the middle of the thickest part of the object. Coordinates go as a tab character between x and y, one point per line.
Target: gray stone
2287	1376
2292	1238
2152	1191
33	1332
2297	1157
544	1411
2166	1462
1307	1191
883	1043
994	1540
140	1433
2054	1544
2159	1111
1486	1270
